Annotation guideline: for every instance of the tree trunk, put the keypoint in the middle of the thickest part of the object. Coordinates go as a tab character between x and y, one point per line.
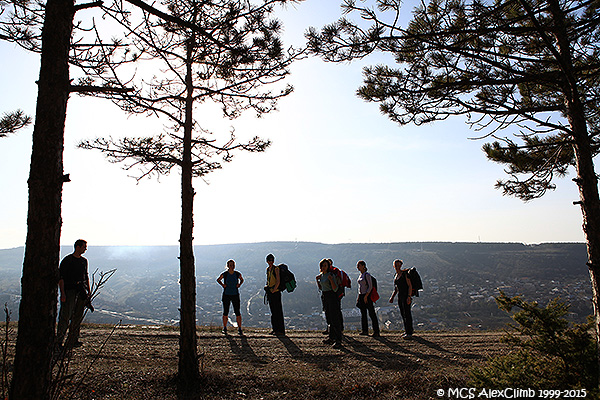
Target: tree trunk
590	208
587	180
188	341
37	311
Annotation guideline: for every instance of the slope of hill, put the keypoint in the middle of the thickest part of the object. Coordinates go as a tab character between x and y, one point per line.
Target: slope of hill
460	280
141	362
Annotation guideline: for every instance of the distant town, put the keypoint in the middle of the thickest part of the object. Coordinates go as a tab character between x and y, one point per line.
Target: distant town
460	282
458	306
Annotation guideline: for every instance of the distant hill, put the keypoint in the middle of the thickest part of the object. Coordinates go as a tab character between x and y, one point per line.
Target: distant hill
460	280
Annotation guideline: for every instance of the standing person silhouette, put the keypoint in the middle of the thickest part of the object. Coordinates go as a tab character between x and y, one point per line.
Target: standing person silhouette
333	311
230	281
74	285
364	302
274	296
403	288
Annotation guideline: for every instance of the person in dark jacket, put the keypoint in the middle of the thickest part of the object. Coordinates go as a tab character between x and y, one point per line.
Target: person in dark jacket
74	285
328	284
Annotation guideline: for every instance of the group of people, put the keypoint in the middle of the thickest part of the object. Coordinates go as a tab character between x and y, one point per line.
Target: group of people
75	292
329	284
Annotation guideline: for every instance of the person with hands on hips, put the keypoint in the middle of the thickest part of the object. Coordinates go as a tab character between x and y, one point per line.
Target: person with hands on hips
230	281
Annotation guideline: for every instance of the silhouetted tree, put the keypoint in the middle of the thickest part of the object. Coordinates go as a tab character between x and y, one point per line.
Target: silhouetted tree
36	330
196	69
529	65
48	28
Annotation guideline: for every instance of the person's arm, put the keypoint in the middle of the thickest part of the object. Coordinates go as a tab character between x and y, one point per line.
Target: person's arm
334	285
63	295
369	287
409	299
86	277
87	284
240	279
318	279
394	294
220	281
277	281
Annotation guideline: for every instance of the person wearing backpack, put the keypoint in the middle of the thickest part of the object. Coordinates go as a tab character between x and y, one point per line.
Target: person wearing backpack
341	291
328	284
274	296
231	280
403	288
318	279
364	301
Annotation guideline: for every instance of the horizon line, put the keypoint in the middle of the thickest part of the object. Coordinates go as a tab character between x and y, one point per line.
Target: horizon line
311	242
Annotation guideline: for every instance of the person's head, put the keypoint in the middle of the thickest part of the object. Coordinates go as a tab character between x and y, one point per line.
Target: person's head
270	259
231	265
330	262
398	265
80	246
324	265
361	266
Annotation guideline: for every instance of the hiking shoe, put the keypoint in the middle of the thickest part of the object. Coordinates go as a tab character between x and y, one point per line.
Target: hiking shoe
364	334
337	345
328	341
224	331
76	344
325	332
240	331
406	336
376	334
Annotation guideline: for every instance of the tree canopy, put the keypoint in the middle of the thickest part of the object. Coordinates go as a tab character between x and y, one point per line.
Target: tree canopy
516	64
531	67
235	75
233	66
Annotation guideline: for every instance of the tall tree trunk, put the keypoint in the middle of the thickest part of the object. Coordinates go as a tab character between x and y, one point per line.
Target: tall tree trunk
587	183
188	341
37	312
587	180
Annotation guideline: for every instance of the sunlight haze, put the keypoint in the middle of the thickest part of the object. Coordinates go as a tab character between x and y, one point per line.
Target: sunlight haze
337	170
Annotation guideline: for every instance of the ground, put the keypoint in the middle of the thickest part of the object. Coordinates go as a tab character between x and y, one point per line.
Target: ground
134	362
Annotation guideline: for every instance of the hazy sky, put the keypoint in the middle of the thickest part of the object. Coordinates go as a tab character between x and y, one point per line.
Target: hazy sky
337	171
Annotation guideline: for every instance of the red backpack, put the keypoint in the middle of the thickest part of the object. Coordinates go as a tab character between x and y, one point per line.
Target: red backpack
343	280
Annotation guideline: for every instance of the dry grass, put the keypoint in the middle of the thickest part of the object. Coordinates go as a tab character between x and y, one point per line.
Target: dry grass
141	363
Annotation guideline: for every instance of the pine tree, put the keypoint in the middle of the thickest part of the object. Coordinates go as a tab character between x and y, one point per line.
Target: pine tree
526	66
48	28
546	351
232	67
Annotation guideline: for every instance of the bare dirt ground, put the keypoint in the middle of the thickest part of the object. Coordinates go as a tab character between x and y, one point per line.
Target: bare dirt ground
141	363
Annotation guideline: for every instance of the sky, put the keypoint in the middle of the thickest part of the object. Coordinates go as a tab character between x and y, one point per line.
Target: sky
338	171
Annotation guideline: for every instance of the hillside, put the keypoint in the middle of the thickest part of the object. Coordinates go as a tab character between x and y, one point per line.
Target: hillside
460	281
140	363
